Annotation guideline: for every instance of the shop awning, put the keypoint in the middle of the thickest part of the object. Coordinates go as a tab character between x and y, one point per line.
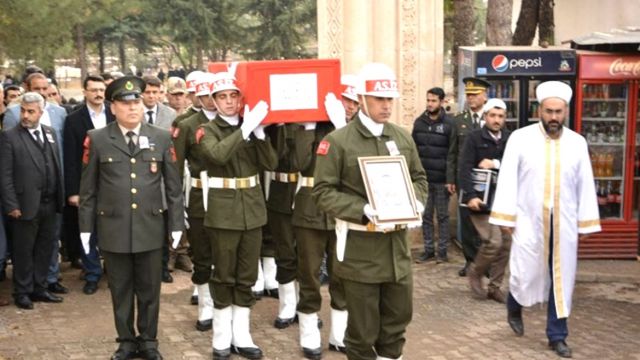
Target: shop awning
617	40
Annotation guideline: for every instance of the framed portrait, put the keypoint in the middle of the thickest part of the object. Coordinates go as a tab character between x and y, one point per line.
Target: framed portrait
389	189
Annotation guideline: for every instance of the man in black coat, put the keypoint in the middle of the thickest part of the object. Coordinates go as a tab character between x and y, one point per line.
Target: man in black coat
435	137
483	149
31	188
93	114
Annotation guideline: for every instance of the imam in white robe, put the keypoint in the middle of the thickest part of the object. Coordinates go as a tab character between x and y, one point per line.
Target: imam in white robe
540	176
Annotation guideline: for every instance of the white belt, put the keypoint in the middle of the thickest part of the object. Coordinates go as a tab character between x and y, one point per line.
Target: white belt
283	177
196	183
342	229
370	227
233	183
306	181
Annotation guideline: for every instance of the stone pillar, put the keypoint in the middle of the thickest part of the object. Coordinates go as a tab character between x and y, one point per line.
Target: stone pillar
404	34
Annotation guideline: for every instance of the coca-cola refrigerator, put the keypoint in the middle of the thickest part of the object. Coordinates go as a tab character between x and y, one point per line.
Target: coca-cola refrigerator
514	72
607	116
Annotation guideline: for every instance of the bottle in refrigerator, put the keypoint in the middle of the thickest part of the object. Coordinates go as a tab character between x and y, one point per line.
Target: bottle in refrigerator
611	200
609	164
602	201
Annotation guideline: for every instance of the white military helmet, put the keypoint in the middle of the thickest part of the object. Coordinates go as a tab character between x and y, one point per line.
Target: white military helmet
349	83
377	79
224	81
191	80
203	84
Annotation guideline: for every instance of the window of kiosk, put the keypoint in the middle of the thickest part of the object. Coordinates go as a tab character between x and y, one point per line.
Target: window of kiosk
509	92
604	109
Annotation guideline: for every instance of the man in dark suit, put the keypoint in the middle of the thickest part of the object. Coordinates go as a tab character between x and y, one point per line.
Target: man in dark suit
125	164
93	114
31	187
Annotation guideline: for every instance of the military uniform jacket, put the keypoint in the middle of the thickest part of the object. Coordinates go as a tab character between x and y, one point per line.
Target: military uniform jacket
184	116
120	193
306	213
463	122
184	140
228	155
370	257
281	194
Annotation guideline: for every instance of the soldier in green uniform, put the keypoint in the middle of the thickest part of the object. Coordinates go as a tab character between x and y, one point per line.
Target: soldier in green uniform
184	141
280	189
125	164
466	121
234	153
375	264
315	235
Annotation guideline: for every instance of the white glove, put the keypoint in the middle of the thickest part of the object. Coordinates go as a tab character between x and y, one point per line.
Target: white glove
309	125
85	237
370	212
419	207
335	110
259	132
176	236
253	118
414	224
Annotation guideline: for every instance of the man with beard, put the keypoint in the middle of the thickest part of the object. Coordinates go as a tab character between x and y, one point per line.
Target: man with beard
483	150
546	200
434	135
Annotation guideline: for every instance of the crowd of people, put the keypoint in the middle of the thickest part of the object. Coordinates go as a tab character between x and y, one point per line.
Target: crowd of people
148	175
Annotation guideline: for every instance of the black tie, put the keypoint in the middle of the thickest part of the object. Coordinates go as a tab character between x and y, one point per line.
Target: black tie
476	123
150	113
38	139
132	145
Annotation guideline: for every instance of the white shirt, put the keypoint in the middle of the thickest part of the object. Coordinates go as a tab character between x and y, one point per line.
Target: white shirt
209	114
40	134
45	119
231	120
99	119
154	114
135	130
374	127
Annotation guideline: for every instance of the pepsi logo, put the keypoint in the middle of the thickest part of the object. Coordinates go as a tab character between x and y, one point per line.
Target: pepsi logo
500	63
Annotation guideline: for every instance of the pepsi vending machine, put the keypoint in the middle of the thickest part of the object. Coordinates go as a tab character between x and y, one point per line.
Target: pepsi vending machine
514	72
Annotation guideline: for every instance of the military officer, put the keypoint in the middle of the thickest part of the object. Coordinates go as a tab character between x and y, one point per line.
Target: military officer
315	235
375	264
184	142
235	151
466	121
124	165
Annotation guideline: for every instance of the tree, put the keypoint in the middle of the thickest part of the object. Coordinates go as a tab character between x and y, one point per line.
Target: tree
463	34
499	22
535	14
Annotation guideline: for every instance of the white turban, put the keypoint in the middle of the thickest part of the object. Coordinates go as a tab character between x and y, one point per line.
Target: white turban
556	89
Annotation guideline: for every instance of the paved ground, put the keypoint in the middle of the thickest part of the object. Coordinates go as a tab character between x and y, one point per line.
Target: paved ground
447	324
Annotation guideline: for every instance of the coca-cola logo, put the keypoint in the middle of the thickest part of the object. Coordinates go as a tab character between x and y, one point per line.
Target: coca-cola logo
620	67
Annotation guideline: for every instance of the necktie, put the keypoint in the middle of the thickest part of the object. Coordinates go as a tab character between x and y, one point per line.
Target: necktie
132	145
476	122
150	113
38	139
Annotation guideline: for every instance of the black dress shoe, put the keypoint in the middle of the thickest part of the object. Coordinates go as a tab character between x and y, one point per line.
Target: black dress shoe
253	353
272	293
463	272
313	354
150	354
284	323
258	295
122	354
76	264
425	257
221	354
561	348
514	318
338	348
57	288
23	302
166	277
46	296
204	325
90	287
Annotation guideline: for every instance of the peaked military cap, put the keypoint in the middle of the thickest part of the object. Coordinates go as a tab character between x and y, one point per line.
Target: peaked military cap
474	85
125	88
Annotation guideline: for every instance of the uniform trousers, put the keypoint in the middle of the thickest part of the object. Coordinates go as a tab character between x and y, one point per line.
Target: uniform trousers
235	255
493	253
135	277
557	329
378	317
312	245
438	201
467	234
200	250
33	244
286	258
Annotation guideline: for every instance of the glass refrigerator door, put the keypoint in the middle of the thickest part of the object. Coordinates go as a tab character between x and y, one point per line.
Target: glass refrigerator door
509	92
604	126
533	108
636	163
